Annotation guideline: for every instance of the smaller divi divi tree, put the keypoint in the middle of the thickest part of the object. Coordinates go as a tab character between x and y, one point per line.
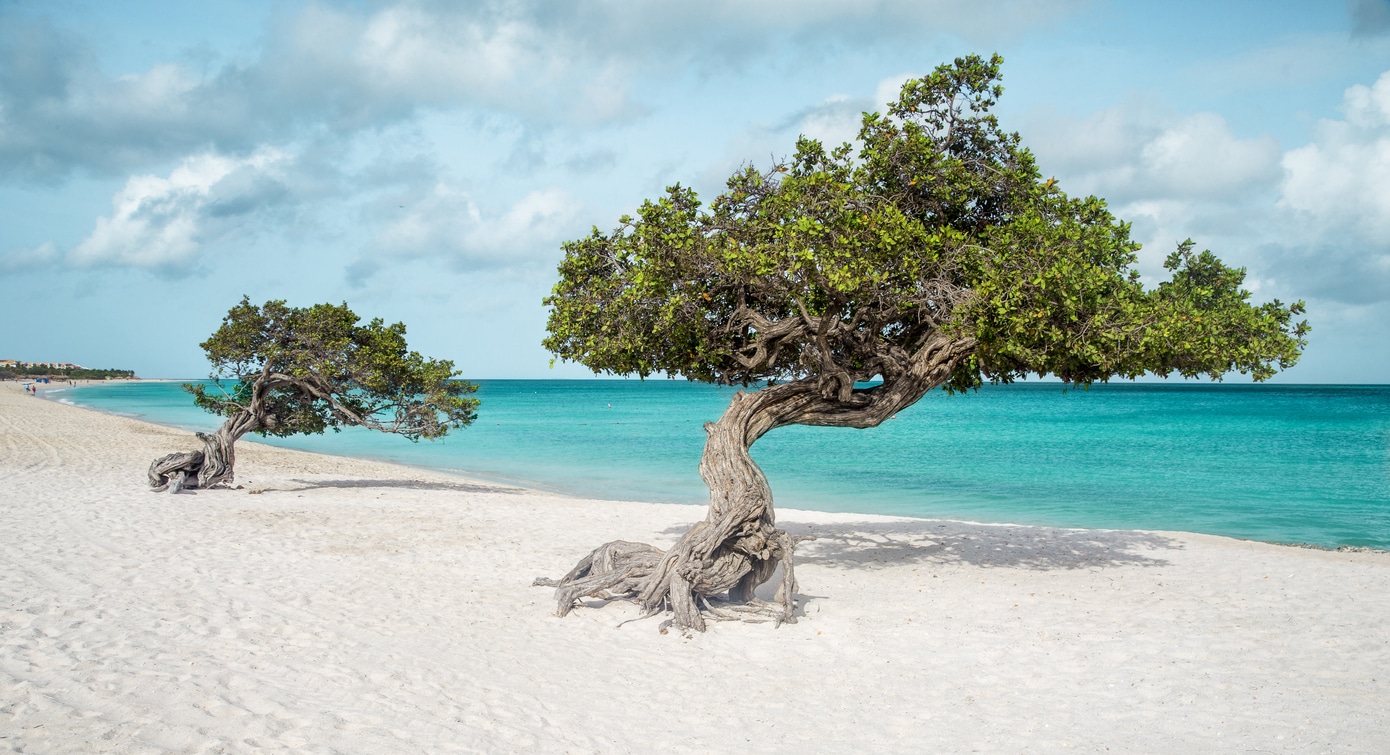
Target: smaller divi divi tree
930	254
283	371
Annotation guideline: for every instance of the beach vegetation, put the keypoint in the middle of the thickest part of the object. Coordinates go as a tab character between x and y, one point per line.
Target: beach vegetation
845	282
280	370
30	370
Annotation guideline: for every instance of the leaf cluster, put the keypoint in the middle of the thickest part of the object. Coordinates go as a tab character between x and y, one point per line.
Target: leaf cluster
840	264
304	370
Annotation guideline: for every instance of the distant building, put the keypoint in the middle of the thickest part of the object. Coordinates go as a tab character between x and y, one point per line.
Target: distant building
50	365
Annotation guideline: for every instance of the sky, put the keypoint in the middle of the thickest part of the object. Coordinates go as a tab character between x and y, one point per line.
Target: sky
424	161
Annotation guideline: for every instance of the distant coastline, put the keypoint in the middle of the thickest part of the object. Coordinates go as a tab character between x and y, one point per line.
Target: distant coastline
14	369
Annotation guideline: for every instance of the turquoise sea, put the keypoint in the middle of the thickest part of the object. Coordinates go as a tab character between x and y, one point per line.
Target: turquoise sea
1280	463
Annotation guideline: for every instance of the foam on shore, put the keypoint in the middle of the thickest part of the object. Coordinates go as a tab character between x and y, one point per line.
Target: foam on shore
341	605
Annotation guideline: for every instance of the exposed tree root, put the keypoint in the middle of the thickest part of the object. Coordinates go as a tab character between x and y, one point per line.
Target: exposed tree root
196	469
172	472
718	589
615	569
717	565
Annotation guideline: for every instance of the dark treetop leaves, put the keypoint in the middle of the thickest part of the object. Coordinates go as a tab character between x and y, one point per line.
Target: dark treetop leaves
305	370
839	265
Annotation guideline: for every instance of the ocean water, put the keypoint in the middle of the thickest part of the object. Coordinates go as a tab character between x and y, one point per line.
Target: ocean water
1297	464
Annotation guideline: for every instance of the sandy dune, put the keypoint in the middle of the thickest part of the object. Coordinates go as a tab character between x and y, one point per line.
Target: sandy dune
362	607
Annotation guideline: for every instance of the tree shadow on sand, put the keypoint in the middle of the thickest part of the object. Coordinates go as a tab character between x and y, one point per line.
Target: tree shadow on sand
876	545
458	487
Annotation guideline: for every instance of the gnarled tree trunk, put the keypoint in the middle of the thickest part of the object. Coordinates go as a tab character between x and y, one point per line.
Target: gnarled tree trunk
738	546
211	466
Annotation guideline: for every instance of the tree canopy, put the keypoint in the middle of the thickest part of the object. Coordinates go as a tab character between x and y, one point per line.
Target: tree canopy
309	369
837	264
303	370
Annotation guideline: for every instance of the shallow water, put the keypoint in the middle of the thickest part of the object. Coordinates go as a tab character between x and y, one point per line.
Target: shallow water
1308	464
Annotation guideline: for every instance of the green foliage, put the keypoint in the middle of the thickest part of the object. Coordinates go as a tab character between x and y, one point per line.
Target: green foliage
303	370
70	373
844	262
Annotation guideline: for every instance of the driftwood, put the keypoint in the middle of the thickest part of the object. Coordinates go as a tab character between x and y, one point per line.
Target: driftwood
715	568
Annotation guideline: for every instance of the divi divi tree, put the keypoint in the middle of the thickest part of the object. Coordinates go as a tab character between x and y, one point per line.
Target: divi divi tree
931	254
281	370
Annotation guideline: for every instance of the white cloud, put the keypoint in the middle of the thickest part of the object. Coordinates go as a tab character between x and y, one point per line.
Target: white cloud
1173	176
1136	152
361	67
358	69
432	224
163	89
445	221
1335	200
22	259
1342	178
1199	156
1312	222
539	218
438	53
162	222
888	90
833	122
1369	107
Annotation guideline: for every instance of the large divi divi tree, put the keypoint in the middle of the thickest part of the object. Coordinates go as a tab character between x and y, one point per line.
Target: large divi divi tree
932	254
282	371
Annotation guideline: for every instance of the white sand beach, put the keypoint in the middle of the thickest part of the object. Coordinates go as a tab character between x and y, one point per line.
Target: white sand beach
337	605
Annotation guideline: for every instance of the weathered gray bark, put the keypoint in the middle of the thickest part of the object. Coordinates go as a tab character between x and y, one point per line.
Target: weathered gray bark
214	464
211	466
738	546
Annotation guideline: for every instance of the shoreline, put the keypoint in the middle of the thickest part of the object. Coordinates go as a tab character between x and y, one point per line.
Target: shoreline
524	484
344	605
539	487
